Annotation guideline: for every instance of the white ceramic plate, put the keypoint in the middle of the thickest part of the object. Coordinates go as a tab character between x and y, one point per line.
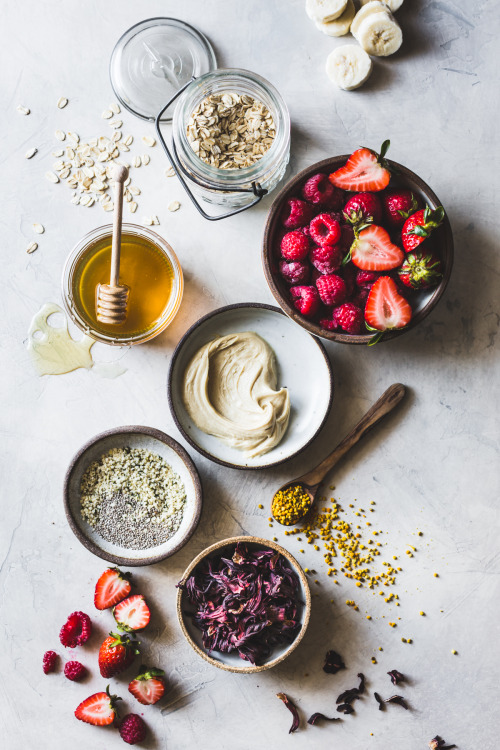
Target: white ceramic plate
303	367
133	437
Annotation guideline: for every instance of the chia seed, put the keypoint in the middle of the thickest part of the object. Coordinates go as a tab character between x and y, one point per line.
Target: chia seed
132	498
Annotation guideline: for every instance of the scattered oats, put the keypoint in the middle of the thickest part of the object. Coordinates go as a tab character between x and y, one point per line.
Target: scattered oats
145	159
75	200
116	135
128	140
65	173
32	247
58	153
148	221
123	147
115	108
149	140
116	124
170	172
107	114
137	161
108	206
132	207
156	220
128	196
74	136
23	110
30	154
60	135
134	190
61	102
174	206
52	177
127	181
39	228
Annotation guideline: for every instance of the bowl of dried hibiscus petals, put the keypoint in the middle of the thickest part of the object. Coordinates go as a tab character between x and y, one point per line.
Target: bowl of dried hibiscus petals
243	604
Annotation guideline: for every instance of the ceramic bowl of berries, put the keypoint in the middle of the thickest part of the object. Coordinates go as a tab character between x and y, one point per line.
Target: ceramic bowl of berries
357	249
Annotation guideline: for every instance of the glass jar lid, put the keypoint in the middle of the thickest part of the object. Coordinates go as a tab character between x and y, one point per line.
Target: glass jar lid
153	60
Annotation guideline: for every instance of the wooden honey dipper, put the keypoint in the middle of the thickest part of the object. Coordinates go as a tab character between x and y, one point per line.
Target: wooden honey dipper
112	298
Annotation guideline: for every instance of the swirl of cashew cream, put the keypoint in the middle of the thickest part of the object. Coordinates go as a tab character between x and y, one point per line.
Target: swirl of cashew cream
229	391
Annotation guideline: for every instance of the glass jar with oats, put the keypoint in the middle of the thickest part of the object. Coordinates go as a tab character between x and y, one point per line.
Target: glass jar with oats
231	133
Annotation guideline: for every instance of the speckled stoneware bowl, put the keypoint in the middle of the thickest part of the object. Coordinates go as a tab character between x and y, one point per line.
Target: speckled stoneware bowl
441	242
133	437
233	662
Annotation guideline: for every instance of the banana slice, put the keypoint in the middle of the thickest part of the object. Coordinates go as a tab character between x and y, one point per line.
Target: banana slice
393	5
380	34
348	66
341	25
325	10
373	6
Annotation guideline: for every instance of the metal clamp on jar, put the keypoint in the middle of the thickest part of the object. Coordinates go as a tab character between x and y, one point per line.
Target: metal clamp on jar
161	61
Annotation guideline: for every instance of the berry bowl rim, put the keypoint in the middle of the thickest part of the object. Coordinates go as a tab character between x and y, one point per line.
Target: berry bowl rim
411	181
90	539
246	667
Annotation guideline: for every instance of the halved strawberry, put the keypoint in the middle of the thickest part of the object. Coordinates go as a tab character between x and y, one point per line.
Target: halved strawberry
111	588
364	170
385	307
132	613
98	709
149	686
372	250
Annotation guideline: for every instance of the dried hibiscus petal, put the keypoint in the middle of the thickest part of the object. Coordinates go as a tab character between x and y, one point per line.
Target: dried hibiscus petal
333	662
399	700
345	708
379	701
293	709
361	687
438	744
348	696
321	717
395	676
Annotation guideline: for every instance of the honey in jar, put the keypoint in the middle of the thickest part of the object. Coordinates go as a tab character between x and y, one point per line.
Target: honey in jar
148	267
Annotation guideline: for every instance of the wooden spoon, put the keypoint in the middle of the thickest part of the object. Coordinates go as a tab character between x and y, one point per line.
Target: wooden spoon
112	298
311	481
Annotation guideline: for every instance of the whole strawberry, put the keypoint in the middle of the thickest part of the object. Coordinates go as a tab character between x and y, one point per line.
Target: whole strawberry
362	208
398	206
420	270
116	654
419	226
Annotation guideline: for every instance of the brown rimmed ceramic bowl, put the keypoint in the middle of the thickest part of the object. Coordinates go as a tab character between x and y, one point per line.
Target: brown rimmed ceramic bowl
158	442
303	367
233	662
441	241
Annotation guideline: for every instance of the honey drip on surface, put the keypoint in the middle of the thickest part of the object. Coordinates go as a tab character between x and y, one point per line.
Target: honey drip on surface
54	352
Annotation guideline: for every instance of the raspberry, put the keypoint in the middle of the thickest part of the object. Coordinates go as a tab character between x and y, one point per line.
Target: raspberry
362	207
76	630
326	259
360	298
295	272
346	237
328	324
366	279
74	670
332	289
324	230
318	190
349	317
49	661
296	213
132	729
305	299
295	245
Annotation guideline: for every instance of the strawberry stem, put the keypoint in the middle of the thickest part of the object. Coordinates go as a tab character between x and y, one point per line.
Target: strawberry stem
376	338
